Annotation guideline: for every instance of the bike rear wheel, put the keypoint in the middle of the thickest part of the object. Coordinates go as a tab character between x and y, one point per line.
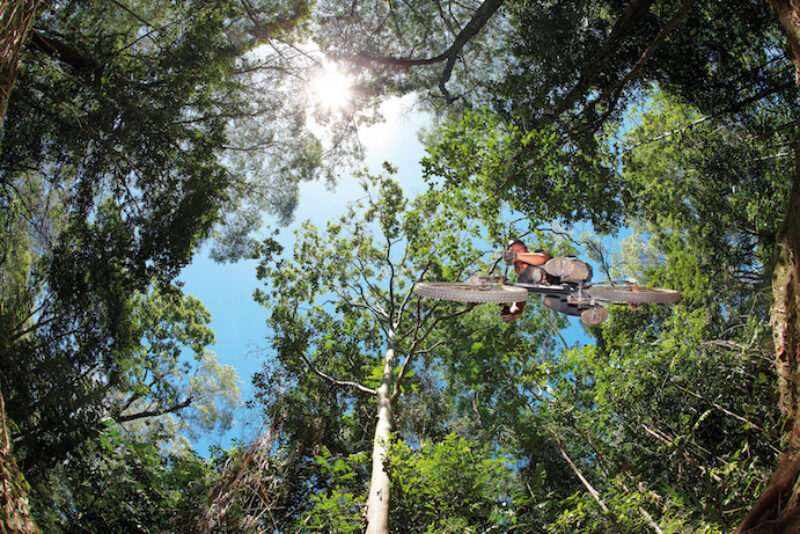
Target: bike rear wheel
471	293
634	295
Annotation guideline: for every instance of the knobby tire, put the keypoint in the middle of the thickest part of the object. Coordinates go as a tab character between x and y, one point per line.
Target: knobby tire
471	294
634	295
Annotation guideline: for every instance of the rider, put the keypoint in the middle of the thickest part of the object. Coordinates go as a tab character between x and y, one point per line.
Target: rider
540	268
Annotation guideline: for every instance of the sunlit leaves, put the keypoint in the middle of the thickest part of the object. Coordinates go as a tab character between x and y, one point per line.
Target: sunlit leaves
452	484
484	161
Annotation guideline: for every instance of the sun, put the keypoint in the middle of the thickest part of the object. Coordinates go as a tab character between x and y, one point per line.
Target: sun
331	88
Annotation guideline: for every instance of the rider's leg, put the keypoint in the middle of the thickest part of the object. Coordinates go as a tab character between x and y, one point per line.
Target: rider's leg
532	274
528	270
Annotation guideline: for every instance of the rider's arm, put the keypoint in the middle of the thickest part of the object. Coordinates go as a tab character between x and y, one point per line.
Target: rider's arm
517	253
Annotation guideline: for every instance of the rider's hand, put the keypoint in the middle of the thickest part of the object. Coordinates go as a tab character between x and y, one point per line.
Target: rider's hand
509	256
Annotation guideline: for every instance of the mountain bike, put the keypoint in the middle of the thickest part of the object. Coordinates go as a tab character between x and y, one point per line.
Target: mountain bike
555	280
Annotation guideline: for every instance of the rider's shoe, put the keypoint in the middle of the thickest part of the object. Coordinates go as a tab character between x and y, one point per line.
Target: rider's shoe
568	269
511	313
594	316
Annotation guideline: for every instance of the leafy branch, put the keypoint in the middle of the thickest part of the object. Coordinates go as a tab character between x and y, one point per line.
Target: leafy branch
335	382
450	56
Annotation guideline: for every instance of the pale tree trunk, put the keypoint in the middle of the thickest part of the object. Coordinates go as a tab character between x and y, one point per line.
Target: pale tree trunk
378	500
16	18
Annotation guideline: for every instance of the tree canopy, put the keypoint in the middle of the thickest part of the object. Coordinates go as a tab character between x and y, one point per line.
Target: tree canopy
656	139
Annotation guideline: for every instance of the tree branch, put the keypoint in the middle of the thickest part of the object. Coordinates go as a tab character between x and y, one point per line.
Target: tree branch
133	398
648	52
721	408
633	12
592	491
476	23
341	383
16	333
788	13
671	443
154	413
410	292
372	288
379	313
730	109
413	350
566	136
64	52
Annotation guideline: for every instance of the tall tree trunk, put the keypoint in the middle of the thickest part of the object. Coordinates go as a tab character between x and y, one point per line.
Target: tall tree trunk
788	13
778	508
378	500
15	514
16	18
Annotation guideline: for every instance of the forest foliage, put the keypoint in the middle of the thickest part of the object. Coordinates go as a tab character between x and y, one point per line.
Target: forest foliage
137	132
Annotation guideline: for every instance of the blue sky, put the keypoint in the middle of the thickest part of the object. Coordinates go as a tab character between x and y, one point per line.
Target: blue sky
227	289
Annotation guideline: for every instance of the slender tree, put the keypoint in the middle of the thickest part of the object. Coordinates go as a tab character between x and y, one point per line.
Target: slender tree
348	323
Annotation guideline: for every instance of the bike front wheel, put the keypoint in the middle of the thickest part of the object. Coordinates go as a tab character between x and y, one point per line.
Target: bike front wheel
471	293
634	295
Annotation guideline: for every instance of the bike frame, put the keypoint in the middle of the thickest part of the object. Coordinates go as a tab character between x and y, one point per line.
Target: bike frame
573	290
